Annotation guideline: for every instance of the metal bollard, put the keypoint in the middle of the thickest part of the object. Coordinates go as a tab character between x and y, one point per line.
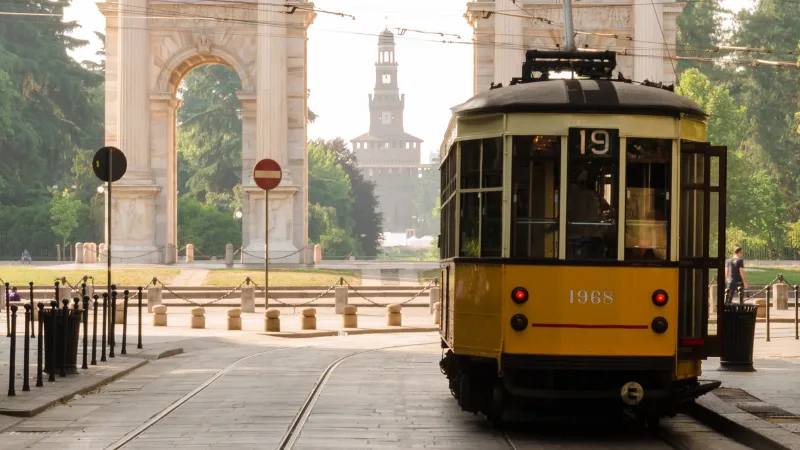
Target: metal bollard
13	316
57	292
94	331
8	310
65	336
26	358
796	329
139	344
741	295
33	316
85	318
103	347
112	314
39	383
51	350
768	308
125	297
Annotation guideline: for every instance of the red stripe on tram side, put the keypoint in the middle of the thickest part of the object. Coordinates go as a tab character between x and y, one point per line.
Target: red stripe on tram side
578	325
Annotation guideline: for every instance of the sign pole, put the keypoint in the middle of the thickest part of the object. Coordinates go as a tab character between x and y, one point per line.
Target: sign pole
266	250
267	175
108	217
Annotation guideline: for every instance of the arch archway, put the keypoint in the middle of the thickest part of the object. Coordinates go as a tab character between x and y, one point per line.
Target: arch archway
145	62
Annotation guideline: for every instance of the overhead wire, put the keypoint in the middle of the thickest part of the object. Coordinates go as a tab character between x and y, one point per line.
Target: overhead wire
169	14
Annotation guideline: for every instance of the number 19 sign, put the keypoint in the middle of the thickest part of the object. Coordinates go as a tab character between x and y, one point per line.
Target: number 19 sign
267	175
593	143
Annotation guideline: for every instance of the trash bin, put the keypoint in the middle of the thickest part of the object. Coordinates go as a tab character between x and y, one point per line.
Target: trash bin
54	331
738	336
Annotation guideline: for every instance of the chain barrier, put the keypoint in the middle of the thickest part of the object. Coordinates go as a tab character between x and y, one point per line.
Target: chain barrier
297	305
156	280
277	258
387	304
123	258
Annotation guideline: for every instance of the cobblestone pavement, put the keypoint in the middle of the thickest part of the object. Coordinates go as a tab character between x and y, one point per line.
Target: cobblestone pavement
390	398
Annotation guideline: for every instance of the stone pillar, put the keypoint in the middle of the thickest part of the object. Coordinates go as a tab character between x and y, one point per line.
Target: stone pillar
64	292
272	322
160	316
189	253
118	316
271	115
394	316
134	222
163	162
317	254
133	93
101	252
234	319
509	52
58	252
340	295
170	254
712	299
229	255
433	297
309	319
153	297
248	299
646	18
93	252
350	316
198	317
79	255
780	292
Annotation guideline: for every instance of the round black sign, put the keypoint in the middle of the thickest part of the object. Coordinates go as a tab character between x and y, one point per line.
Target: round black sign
100	164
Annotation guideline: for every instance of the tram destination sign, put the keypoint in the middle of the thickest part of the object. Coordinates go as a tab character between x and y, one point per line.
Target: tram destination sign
593	143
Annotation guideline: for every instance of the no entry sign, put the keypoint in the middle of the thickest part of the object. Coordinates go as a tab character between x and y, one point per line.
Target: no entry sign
267	174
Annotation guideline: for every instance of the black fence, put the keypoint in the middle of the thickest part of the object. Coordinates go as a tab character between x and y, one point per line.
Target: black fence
41	244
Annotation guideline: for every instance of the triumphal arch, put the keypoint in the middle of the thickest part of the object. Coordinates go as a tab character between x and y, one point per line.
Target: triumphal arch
642	32
150	46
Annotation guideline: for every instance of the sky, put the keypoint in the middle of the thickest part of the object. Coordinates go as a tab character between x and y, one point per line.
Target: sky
435	76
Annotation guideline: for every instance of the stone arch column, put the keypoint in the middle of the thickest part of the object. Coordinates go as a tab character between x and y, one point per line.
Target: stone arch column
148	59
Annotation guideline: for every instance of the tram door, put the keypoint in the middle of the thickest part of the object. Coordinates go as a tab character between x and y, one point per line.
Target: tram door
701	248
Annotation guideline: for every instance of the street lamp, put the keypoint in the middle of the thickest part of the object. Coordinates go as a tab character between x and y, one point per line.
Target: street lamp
238	215
100	189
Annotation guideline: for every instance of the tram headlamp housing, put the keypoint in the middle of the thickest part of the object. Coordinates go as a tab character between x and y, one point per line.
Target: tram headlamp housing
519	322
660	297
659	325
519	295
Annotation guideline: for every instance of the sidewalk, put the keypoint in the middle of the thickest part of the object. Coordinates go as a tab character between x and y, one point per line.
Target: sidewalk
160	342
765	403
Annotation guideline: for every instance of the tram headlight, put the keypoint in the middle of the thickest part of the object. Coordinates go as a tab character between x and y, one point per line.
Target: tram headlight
519	295
519	322
660	297
659	325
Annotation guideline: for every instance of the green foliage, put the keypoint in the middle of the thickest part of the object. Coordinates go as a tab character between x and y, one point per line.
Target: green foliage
64	210
207	228
368	222
426	200
699	28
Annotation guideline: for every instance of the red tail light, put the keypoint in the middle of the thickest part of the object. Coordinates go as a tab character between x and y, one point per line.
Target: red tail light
519	295
660	297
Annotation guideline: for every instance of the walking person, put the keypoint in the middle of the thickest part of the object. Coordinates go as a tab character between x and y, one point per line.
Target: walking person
734	273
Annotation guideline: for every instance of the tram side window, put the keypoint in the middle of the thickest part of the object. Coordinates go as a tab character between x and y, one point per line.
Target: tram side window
592	194
648	194
481	196
447	239
535	180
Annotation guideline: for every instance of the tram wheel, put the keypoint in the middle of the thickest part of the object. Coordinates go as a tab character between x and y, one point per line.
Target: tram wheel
497	404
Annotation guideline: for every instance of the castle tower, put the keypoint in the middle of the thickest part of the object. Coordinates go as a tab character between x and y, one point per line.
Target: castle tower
387	155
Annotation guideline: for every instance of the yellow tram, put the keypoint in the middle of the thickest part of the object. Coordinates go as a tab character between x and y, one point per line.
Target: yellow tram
581	221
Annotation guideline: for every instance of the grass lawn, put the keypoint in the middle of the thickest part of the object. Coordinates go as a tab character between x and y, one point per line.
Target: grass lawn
428	275
20	276
792	275
282	277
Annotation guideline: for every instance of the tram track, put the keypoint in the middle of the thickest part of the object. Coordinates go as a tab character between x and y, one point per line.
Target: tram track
295	427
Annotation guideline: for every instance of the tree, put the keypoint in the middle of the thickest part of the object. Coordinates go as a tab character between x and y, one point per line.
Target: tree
331	204
64	210
368	221
699	28
426	199
207	228
770	94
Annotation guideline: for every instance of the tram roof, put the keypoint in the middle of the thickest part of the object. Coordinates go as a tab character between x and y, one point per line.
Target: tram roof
580	96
